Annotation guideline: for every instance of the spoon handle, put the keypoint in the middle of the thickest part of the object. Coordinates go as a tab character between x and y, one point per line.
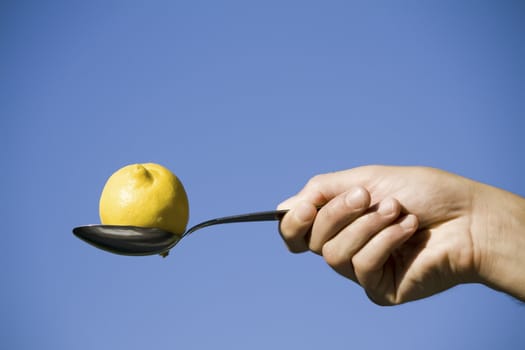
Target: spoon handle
271	215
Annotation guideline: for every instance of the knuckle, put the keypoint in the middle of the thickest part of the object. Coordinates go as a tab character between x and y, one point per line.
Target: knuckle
287	231
293	234
293	239
296	249
315	182
333	256
379	299
288	234
362	266
315	246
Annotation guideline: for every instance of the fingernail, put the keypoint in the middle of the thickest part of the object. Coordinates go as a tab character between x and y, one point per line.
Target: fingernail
409	222
356	198
386	207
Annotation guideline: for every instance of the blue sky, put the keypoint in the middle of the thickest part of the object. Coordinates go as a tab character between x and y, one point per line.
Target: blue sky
244	101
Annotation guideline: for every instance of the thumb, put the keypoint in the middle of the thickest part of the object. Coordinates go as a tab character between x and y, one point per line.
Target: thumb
322	188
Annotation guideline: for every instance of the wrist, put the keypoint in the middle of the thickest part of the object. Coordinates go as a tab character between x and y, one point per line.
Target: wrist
498	230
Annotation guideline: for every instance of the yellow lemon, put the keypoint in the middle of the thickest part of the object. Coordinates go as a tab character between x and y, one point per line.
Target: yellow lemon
147	195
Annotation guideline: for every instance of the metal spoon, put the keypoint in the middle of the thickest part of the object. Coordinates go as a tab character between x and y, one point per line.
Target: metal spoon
134	240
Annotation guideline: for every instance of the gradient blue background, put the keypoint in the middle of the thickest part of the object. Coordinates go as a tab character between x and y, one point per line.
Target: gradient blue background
244	101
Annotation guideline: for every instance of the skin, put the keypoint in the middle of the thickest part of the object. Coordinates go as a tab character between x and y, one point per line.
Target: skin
406	233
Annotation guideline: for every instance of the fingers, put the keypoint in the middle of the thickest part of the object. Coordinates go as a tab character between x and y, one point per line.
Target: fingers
340	250
303	228
337	214
356	240
295	227
369	261
332	216
361	251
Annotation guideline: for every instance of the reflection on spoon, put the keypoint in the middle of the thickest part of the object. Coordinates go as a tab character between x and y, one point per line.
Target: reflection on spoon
133	240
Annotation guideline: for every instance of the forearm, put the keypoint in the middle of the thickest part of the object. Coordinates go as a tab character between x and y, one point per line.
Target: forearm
499	230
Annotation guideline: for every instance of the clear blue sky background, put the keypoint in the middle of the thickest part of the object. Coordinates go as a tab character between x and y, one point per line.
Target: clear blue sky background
244	101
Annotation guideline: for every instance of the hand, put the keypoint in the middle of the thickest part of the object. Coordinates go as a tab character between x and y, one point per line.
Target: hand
405	233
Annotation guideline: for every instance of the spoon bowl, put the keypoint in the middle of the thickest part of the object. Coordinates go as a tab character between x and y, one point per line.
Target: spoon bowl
138	241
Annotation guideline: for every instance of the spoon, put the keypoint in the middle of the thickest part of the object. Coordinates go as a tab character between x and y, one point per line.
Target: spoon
136	241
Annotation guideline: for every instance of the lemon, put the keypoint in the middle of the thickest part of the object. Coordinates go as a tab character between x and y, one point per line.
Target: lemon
147	195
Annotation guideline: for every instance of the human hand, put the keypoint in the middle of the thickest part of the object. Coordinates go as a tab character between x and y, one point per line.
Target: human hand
402	233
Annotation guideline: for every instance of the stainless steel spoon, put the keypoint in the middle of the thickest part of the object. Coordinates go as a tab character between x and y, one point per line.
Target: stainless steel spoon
134	240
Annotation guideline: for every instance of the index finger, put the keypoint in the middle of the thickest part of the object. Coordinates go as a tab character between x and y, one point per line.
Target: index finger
296	225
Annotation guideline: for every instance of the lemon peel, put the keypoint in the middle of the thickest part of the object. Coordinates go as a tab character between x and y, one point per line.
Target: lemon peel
147	195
